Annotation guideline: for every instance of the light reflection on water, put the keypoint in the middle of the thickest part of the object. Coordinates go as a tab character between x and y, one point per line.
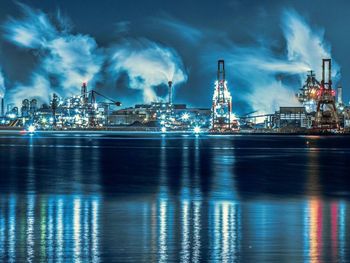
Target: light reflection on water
197	208
46	233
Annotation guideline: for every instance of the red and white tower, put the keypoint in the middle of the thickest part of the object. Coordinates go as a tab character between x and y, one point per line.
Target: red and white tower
326	114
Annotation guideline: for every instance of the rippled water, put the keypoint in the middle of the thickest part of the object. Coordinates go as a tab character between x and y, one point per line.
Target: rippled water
174	198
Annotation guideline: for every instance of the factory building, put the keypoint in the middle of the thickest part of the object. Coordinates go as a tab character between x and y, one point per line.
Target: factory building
158	114
293	118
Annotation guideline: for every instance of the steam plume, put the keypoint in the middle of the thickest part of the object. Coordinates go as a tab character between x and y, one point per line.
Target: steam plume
147	64
67	58
262	74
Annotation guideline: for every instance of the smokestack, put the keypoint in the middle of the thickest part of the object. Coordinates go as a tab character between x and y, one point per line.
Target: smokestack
83	93
83	90
340	95
170	83
2	102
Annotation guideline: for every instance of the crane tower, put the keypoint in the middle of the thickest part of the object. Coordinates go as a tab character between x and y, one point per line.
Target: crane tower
326	114
222	102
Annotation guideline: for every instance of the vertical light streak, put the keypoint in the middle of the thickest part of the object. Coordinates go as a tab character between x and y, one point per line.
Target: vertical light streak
225	232
334	231
315	230
12	229
59	232
43	229
314	206
196	232
85	235
163	205
95	230
342	231
197	165
197	204
185	187
233	233
185	197
50	234
30	227
2	233
153	231
76	229
163	232
145	229
307	224
185	244
216	228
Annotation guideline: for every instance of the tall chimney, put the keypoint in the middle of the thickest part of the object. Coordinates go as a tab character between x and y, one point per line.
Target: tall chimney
84	93
83	90
2	102
340	95
170	83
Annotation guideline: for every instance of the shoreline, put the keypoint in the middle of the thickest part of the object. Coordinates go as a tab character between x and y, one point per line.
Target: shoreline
153	132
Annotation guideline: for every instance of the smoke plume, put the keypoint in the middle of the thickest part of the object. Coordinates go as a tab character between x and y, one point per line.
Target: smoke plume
65	60
148	65
306	44
268	79
39	88
68	59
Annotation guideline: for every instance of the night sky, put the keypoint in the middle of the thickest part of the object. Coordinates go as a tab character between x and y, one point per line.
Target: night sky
200	32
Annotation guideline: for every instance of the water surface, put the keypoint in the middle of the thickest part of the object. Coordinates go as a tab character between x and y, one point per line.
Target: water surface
174	198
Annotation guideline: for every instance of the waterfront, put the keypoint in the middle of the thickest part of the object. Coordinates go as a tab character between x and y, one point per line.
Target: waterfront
174	198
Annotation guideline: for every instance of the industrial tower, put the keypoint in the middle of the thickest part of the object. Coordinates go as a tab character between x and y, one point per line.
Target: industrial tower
222	102
84	94
308	93
170	92
326	113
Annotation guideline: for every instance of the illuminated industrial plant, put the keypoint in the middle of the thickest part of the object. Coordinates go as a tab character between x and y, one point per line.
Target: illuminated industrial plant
320	110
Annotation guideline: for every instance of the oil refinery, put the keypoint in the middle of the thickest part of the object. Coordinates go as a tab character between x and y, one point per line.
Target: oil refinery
321	110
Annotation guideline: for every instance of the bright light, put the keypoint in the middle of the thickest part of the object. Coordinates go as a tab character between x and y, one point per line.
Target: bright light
185	116
163	129
233	117
163	116
44	120
197	129
12	116
31	128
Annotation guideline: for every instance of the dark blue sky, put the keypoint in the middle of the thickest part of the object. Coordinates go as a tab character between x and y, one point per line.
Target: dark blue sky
243	23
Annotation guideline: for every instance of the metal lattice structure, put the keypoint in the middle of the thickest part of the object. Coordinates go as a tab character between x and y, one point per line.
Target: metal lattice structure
326	117
222	102
308	93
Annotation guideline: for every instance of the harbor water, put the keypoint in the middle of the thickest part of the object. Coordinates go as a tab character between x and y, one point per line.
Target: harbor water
136	197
